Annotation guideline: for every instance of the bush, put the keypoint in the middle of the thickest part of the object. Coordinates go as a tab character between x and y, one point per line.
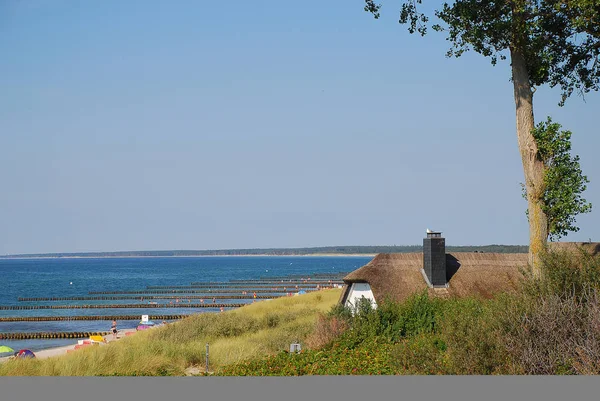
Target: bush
370	358
272	319
341	312
553	326
564	273
417	314
327	329
554	335
468	328
420	355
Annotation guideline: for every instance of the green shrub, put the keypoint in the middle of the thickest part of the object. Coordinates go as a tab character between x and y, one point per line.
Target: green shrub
564	273
417	314
468	328
420	355
272	319
370	358
341	312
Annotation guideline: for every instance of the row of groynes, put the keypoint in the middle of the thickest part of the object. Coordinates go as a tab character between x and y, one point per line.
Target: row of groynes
121	306
258	286
143	298
321	276
51	335
262	288
195	292
88	318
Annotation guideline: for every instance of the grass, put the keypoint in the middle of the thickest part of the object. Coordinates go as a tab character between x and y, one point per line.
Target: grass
259	329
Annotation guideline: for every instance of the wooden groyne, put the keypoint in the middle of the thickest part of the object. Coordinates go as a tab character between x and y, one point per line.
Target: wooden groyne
50	335
284	290
87	318
121	306
271	282
144	298
245	287
305	276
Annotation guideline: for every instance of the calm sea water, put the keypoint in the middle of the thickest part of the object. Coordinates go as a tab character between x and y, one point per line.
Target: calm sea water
53	278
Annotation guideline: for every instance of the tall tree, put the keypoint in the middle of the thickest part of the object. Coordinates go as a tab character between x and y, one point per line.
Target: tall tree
554	42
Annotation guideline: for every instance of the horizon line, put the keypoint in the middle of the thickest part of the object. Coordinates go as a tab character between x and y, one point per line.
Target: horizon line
243	249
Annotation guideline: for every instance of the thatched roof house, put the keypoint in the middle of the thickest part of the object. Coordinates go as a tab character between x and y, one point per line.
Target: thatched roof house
399	275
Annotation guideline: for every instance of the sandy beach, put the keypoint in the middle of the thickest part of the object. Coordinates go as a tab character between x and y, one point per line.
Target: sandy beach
52	352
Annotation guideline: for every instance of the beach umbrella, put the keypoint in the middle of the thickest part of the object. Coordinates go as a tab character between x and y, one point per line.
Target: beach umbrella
25	353
4	348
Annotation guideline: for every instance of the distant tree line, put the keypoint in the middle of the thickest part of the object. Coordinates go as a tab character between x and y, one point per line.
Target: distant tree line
278	251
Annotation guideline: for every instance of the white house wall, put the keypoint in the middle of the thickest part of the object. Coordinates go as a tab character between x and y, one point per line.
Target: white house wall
359	290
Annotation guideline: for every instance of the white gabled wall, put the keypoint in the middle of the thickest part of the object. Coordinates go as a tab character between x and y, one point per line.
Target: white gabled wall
359	290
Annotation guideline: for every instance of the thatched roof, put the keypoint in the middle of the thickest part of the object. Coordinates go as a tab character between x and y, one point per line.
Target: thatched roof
593	248
398	275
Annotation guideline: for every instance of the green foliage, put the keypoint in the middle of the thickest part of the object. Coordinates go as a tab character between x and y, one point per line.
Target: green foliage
341	311
363	325
363	308
468	328
418	314
559	40
563	179
420	355
369	358
390	321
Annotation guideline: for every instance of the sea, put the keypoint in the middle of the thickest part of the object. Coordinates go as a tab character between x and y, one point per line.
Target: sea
78	277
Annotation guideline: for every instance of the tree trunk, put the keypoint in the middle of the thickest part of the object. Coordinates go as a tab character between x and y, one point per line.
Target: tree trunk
533	166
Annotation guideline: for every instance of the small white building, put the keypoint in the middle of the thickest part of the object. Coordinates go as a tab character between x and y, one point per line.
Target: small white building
357	291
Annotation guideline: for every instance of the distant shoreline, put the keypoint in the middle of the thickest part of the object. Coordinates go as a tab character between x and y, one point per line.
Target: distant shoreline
328	251
193	256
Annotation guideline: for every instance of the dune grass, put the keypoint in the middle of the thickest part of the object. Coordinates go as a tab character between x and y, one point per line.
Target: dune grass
255	330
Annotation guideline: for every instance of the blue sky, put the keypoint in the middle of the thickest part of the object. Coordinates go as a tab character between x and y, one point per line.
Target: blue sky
144	125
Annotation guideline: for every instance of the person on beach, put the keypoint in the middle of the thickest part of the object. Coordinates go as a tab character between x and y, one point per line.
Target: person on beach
113	328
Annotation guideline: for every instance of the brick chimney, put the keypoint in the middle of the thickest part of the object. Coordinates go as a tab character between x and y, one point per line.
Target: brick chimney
434	259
